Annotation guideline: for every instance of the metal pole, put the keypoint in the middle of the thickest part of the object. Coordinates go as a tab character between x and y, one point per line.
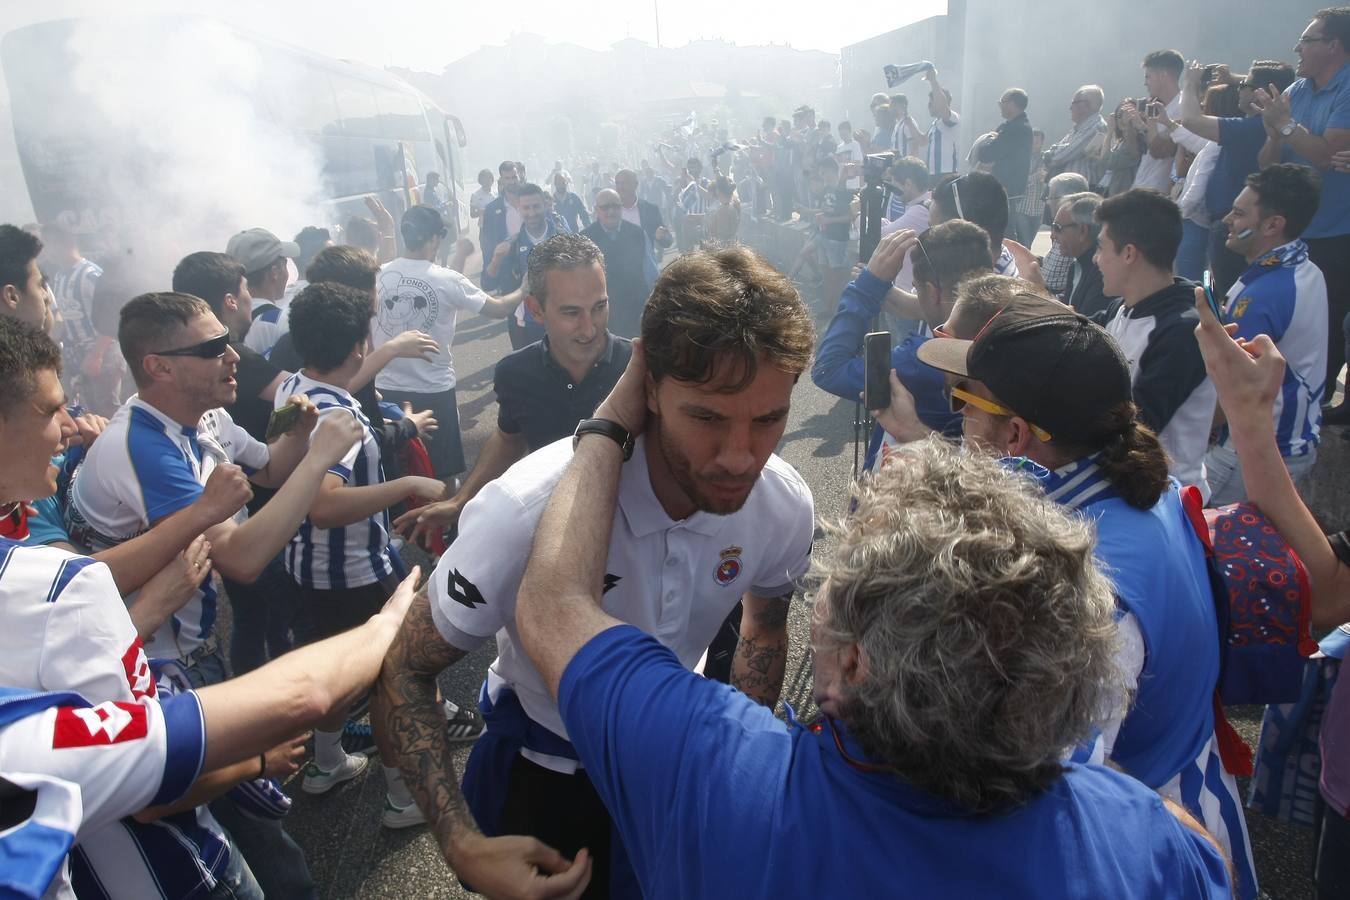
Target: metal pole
656	10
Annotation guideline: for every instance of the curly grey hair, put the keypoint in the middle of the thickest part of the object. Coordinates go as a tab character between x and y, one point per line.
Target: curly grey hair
985	630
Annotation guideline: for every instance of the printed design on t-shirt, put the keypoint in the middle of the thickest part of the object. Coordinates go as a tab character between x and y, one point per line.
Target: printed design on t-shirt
729	569
463	591
406	304
99	726
137	667
611	581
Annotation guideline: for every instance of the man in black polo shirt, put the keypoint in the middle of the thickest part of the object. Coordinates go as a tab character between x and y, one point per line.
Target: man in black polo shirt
546	388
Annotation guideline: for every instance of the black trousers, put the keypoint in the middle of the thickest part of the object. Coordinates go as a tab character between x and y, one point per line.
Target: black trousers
1332	256
563	811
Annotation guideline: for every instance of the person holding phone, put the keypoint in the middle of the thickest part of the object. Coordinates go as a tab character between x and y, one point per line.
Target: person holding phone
1284	295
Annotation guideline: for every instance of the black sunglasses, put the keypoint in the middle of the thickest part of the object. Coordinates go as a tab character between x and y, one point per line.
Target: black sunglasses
212	348
931	268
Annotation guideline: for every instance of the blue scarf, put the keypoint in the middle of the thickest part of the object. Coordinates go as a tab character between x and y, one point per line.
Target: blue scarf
1286	256
1074	485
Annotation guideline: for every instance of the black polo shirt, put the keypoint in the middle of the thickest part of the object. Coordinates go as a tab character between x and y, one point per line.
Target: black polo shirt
538	398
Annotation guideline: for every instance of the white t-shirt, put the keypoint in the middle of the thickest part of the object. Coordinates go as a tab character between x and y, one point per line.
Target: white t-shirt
851	151
1157	173
632	214
675	580
364	557
418	295
270	321
144	467
480	198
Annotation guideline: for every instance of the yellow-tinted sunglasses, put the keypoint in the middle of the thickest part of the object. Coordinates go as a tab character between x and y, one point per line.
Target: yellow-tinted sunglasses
959	397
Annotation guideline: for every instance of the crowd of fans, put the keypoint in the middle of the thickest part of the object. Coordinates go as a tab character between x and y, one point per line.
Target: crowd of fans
1020	634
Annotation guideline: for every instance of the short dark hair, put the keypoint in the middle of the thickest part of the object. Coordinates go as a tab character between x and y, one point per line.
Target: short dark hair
912	168
530	189
362	232
562	252
148	323
311	239
506	166
724	306
1018	97
899	100
1169	61
976	197
1289	190
25	350
344	264
17	249
208	275
1336	23
327	321
257	275
846	125
952	252
1147	219
1271	71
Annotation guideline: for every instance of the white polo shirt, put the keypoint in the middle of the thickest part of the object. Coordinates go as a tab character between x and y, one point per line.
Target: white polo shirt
146	466
675	580
418	295
89	765
351	555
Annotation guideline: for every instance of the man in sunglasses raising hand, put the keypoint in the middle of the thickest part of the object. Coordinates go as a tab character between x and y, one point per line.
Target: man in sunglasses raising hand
168	439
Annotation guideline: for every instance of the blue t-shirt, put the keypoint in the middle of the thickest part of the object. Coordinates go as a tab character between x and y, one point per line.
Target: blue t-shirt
1317	111
1240	143
714	797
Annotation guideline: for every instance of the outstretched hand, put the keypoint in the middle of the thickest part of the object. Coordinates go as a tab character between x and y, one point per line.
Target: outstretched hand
1246	373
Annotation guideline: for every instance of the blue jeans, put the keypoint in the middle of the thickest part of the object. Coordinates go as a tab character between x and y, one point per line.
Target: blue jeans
278	863
237	881
263	612
1193	252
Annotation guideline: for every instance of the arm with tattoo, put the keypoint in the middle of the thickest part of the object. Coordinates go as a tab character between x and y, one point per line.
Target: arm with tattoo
410	728
410	724
761	654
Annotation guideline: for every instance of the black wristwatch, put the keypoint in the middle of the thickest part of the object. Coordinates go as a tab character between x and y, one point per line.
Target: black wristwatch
609	429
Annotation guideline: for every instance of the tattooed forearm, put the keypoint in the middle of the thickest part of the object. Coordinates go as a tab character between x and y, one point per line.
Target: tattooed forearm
761	654
409	724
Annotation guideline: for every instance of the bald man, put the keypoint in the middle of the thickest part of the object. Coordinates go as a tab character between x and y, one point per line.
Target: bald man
630	266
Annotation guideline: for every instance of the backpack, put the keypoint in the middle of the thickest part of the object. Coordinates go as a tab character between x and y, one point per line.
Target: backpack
1266	622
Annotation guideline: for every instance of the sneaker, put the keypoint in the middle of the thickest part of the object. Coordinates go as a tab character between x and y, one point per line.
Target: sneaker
357	738
463	725
317	781
401	816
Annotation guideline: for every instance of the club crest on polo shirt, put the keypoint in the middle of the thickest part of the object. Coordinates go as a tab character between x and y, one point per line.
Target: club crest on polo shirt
1240	307
729	569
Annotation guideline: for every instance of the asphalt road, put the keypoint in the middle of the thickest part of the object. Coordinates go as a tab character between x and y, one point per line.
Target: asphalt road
351	855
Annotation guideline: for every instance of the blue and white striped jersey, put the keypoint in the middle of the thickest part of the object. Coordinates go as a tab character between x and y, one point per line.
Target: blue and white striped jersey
943	155
73	290
357	554
270	322
144	467
67	630
86	765
1283	294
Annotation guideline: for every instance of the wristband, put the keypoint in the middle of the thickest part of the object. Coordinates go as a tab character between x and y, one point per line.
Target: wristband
262	765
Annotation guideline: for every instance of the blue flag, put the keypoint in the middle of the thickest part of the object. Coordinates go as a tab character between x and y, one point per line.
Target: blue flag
897	75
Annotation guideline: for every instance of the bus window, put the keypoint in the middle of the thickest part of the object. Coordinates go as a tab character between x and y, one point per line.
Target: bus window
356	105
401	116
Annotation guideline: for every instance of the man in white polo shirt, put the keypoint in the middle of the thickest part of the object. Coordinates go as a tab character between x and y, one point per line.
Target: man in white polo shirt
709	517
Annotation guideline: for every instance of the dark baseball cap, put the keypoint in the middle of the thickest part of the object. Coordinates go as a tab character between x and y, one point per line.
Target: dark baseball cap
1050	365
421	223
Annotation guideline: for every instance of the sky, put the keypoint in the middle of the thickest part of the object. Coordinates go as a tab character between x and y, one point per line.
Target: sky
428	34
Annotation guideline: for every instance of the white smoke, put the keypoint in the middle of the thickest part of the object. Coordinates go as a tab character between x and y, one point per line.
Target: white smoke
188	152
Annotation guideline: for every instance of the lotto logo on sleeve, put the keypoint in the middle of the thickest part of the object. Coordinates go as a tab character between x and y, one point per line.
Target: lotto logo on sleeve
137	667
99	726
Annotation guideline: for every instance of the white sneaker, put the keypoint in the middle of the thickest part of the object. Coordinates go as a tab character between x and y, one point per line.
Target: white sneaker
401	816
317	781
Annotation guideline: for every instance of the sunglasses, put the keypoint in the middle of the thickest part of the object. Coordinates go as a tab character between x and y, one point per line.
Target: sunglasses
1056	228
212	348
959	398
931	268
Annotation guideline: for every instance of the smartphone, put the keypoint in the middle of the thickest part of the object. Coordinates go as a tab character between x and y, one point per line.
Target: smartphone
282	421
1209	297
877	370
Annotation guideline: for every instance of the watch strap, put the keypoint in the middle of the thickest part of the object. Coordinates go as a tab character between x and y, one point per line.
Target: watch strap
609	429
